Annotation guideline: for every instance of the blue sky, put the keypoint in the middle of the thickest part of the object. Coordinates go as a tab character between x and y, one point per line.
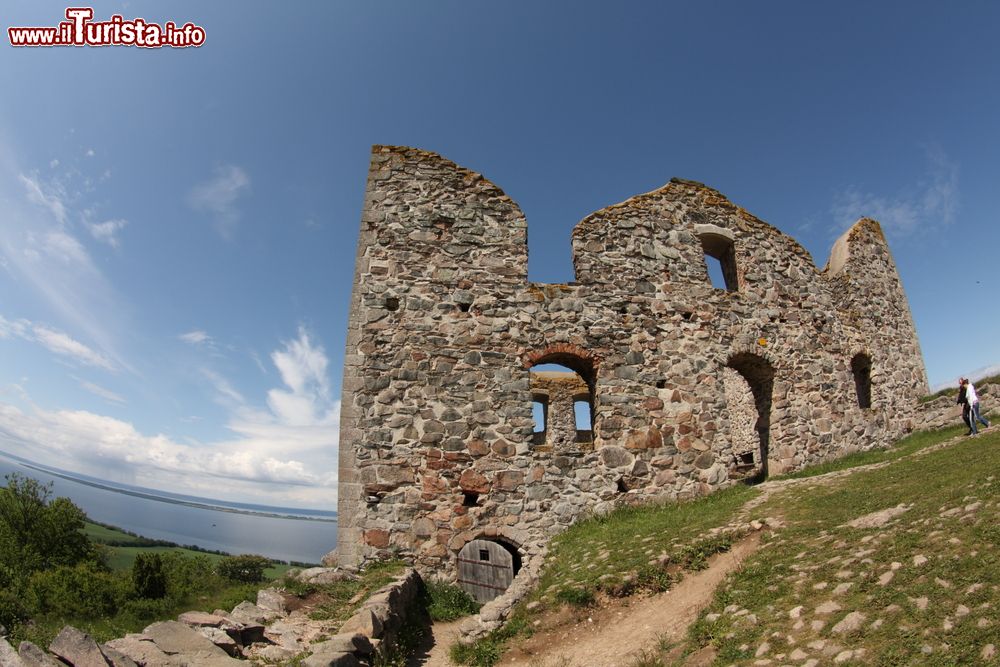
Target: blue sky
178	226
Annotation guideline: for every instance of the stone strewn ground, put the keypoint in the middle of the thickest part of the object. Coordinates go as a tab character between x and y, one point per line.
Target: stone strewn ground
275	630
437	444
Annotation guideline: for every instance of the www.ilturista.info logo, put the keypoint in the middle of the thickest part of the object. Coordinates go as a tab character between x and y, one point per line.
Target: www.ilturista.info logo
81	30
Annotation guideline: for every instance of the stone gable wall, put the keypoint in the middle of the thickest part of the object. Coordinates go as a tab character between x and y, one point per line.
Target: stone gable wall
436	440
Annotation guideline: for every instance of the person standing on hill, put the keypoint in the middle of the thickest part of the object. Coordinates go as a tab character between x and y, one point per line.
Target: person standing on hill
963	400
974	416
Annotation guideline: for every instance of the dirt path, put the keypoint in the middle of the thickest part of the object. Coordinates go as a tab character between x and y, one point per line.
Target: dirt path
433	652
615	634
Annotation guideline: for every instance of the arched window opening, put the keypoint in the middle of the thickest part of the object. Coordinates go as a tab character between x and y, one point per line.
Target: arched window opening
861	367
720	259
568	401
749	382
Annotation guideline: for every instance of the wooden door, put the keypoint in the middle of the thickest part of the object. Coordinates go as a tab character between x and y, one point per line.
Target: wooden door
485	569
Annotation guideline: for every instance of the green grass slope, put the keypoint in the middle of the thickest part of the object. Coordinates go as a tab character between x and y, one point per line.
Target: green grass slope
919	585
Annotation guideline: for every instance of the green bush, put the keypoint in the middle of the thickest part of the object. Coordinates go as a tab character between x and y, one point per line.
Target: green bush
148	578
246	569
187	576
447	602
80	591
13	611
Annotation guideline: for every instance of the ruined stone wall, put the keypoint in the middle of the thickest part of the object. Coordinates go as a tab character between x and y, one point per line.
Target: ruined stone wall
437	444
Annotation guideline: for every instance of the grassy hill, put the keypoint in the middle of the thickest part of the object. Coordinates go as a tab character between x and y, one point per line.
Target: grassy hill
889	558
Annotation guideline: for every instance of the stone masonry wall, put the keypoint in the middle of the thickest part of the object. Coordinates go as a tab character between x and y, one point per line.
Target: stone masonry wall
436	440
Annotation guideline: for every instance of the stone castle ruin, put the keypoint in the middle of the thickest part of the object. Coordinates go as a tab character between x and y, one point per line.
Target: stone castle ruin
688	386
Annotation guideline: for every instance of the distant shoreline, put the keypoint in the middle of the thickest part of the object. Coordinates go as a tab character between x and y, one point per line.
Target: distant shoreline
166	499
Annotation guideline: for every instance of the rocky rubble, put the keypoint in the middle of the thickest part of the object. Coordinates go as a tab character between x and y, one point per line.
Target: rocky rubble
274	630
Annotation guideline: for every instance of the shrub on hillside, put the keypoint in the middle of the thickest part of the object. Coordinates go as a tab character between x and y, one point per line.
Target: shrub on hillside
82	591
246	569
148	578
187	575
13	611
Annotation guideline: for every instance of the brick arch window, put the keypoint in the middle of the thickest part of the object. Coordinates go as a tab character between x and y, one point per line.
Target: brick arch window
563	379
861	368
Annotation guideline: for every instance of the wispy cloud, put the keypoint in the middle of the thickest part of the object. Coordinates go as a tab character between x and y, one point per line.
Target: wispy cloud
930	202
219	196
196	337
284	453
107	231
61	344
40	249
49	197
225	392
98	390
55	341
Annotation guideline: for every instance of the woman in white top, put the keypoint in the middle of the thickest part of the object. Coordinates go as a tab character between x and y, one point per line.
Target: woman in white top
974	416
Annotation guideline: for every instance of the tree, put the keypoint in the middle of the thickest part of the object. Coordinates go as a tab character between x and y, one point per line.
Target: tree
148	577
36	534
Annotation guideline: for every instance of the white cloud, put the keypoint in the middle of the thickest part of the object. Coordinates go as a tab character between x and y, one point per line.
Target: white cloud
90	152
98	390
61	344
931	201
196	337
64	248
107	231
52	200
55	341
284	454
92	442
302	367
219	196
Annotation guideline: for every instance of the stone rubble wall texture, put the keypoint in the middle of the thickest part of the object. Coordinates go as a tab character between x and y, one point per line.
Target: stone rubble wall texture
444	327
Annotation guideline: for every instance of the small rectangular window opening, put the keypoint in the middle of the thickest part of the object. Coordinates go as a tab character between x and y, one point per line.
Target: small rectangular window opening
484	554
720	259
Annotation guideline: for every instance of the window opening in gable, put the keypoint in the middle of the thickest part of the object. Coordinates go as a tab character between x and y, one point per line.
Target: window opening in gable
720	260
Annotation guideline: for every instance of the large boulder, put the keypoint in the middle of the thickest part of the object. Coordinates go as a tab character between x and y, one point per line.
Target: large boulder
8	656
271	599
188	646
142	650
33	656
77	648
248	612
117	658
325	575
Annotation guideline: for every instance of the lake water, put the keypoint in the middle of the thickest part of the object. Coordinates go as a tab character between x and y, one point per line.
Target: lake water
281	537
